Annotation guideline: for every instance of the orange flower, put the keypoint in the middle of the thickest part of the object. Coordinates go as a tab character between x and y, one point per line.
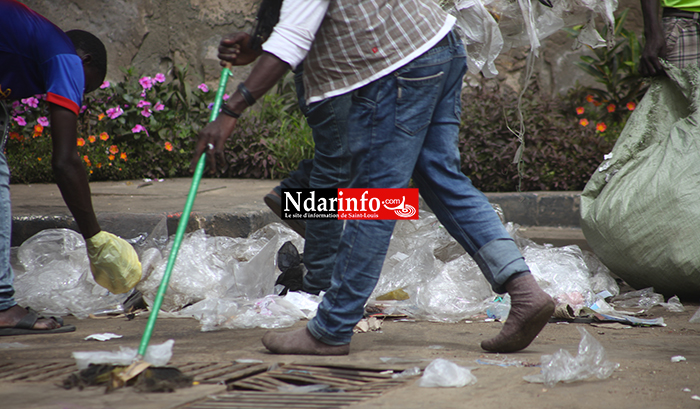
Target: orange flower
99	165
579	111
589	98
611	108
113	149
597	103
92	138
583	122
104	136
123	155
87	160
38	129
81	142
601	127
100	116
168	146
39	159
15	135
111	157
631	106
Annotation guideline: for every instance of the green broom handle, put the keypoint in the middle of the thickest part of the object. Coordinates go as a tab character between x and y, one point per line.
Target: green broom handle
182	224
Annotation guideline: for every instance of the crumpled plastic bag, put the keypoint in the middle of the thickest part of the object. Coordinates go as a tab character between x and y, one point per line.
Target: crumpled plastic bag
563	367
271	311
113	262
157	355
696	317
639	210
446	374
52	276
481	35
213	267
644	299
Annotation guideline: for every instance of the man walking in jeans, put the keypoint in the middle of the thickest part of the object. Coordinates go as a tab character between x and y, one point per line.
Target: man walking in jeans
404	67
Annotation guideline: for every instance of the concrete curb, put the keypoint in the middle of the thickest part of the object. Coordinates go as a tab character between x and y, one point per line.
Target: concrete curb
230	207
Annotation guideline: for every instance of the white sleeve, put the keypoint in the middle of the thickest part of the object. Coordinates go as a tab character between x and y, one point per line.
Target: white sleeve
293	35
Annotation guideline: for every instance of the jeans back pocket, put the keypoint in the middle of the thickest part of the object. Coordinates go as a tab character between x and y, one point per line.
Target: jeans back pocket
416	100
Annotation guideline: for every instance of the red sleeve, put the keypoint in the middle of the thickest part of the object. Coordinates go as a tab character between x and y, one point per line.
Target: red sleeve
63	101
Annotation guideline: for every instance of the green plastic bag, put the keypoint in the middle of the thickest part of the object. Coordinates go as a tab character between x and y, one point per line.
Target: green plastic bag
640	211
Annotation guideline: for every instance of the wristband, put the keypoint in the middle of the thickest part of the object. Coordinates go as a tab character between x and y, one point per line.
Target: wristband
226	111
246	94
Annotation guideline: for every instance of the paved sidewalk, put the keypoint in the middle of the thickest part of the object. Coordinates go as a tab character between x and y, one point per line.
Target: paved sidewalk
32	367
234	207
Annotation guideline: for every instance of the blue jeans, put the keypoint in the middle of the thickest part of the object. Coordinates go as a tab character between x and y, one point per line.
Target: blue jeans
330	168
7	291
405	125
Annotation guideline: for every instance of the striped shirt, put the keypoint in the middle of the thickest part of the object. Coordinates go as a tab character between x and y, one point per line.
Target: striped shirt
361	41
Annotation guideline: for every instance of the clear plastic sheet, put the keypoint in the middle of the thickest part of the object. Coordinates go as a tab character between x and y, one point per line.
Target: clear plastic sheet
525	23
52	276
696	317
457	292
157	355
446	374
644	299
215	267
673	304
230	282
563	367
566	273
271	311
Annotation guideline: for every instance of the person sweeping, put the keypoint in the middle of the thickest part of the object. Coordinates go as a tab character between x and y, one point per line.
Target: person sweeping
37	57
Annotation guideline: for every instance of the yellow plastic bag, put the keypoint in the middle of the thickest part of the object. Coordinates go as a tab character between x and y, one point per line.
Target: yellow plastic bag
113	262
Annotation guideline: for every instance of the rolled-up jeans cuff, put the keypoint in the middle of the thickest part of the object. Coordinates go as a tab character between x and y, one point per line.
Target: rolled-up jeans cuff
321	335
500	260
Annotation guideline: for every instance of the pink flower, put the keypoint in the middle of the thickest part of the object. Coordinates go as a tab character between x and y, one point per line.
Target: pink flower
142	104
138	128
43	121
31	101
159	78
105	84
20	121
146	112
203	87
158	107
226	97
114	112
146	82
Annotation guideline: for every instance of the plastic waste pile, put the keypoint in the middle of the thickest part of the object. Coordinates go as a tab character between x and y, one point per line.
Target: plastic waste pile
438	281
228	282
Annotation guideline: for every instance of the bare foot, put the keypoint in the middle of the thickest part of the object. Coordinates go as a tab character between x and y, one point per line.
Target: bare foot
11	316
531	308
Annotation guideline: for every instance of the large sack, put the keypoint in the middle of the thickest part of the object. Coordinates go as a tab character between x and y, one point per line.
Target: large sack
640	211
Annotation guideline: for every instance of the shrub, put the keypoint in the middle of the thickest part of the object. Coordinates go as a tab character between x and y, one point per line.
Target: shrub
147	127
559	153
